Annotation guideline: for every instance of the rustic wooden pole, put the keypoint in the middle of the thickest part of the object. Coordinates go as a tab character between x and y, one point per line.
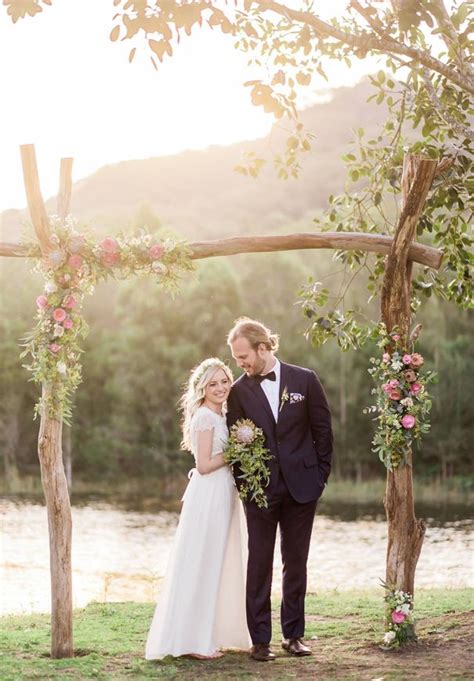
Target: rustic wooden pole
63	204
405	532
50	457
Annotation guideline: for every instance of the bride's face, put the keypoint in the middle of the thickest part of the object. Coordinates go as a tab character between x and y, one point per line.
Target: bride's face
218	388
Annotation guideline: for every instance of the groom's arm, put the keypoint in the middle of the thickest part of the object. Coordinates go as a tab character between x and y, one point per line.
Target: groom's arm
320	419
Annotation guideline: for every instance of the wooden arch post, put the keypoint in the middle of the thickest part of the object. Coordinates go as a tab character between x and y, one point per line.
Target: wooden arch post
50	432
405	532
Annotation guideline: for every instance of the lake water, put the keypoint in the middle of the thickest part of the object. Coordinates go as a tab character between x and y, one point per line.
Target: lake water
121	555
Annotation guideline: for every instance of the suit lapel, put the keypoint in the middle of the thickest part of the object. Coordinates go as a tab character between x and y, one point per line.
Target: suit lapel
255	387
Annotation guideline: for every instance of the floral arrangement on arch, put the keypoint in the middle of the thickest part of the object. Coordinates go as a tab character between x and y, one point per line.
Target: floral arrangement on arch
72	269
403	403
399	621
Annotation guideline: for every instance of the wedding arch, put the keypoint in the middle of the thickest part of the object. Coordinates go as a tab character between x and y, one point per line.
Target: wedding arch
405	531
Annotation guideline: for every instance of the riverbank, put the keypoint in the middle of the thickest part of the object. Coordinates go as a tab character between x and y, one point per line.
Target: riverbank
344	631
164	493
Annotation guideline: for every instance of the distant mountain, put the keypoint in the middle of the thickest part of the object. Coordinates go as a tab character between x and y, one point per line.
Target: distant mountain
199	195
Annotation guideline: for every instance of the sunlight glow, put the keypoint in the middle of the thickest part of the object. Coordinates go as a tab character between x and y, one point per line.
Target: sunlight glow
70	91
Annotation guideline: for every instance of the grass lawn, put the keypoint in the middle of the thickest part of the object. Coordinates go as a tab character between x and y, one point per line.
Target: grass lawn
109	642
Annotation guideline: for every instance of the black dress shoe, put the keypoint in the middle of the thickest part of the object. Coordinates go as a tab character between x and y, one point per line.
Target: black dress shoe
295	646
261	652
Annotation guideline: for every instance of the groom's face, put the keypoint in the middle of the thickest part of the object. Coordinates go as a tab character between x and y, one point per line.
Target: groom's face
247	358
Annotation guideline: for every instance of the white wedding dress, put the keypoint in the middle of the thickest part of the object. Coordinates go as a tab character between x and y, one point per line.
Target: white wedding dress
201	607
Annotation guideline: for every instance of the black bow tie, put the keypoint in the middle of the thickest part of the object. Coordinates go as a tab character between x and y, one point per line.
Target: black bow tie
271	376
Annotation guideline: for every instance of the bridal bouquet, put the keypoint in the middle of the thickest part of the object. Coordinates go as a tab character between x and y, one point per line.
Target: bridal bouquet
245	449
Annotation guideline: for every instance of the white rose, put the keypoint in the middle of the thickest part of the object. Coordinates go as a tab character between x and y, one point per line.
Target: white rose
389	637
50	287
58	330
405	608
62	368
159	268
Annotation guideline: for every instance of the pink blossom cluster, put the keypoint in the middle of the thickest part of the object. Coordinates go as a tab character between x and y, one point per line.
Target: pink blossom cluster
394	389
61	316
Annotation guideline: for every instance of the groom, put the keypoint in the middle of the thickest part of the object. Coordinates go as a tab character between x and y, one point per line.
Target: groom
288	403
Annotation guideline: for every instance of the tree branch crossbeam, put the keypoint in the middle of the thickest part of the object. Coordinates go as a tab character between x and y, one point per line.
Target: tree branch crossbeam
347	241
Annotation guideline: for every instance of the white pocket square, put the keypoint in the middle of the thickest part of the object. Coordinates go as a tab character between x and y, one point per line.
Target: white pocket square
296	397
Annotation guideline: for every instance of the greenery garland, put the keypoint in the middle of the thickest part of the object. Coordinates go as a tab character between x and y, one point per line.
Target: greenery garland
403	403
72	268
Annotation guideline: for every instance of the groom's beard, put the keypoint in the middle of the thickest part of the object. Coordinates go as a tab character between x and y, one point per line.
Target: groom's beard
257	368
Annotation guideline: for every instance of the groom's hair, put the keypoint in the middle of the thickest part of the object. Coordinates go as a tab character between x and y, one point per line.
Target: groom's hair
255	332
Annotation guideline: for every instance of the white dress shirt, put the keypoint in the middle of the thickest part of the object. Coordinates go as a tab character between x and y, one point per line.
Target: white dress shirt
272	389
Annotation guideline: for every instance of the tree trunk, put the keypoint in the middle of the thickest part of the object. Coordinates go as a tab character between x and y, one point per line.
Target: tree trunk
405	532
60	532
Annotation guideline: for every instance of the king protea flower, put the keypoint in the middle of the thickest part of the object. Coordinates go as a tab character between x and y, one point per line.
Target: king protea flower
245	432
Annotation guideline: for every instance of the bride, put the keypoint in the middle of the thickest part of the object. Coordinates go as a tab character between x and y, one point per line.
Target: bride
201	608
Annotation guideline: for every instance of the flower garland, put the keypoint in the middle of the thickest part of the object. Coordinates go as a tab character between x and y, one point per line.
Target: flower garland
402	400
72	268
399	621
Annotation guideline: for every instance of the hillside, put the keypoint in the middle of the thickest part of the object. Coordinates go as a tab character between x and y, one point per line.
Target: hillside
199	195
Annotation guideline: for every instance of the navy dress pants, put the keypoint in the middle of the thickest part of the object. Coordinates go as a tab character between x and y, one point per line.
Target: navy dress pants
296	523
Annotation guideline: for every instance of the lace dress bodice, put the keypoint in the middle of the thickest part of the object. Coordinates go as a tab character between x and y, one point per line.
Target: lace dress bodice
206	419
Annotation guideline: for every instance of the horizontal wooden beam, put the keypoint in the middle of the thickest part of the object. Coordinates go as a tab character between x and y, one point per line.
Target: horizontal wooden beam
11	250
345	241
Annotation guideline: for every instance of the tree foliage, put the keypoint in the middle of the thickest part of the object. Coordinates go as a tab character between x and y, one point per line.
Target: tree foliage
426	82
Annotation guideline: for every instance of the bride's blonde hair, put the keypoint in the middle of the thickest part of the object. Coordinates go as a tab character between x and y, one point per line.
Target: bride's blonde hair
195	391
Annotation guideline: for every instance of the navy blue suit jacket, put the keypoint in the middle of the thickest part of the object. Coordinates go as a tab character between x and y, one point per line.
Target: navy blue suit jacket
301	441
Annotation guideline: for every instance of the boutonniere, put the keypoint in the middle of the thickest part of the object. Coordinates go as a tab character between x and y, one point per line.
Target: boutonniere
285	396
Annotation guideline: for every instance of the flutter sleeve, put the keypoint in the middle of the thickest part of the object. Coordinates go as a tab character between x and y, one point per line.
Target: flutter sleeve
203	419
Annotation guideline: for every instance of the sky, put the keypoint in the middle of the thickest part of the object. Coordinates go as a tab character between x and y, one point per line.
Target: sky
71	92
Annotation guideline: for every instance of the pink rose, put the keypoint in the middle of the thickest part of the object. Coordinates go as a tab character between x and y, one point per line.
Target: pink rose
386	357
395	394
398	617
109	245
69	302
68	323
59	315
415	388
406	359
396	337
416	360
110	259
410	375
54	347
408	421
76	243
75	261
394	383
386	388
156	252
42	302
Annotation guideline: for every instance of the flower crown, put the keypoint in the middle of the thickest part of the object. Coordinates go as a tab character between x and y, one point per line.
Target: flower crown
207	364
